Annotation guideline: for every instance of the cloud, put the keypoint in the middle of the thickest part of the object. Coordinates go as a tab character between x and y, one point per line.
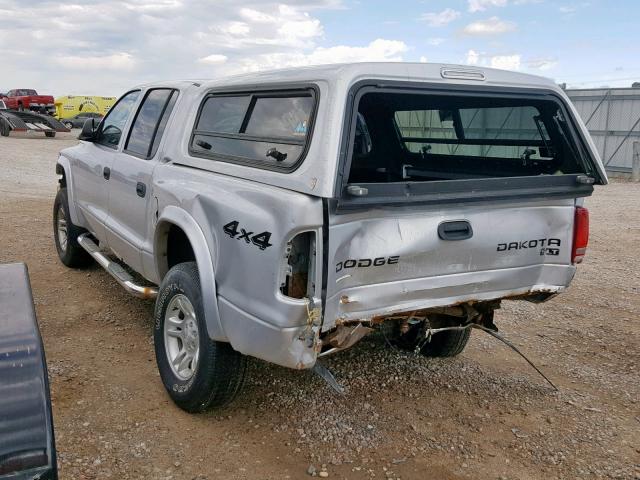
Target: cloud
504	62
542	63
213	59
473	57
377	51
490	26
435	41
482	5
119	61
124	44
440	19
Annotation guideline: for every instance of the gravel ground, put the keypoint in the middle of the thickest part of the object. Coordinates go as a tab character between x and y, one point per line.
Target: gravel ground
484	414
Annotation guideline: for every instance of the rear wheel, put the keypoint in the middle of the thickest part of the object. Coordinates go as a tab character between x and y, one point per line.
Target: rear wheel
442	344
447	344
66	234
198	373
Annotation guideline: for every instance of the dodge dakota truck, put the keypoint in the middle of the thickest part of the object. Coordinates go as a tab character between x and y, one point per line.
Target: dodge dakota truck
285	215
27	99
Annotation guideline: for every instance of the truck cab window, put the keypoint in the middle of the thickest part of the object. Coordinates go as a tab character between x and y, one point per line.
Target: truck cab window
113	124
146	124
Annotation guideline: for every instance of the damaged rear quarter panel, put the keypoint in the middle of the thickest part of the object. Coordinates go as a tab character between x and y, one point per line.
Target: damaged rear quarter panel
247	226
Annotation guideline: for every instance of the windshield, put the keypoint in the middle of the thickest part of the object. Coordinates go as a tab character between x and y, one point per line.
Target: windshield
422	137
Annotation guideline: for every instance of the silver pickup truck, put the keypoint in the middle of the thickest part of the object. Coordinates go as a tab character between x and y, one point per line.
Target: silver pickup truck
285	215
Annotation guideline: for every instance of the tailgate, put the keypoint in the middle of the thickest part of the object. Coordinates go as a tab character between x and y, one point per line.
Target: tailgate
398	259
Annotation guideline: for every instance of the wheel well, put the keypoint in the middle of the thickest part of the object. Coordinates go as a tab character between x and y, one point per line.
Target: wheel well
63	179
179	248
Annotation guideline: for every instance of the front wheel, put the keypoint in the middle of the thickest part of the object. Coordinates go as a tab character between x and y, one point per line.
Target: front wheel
69	125
65	234
199	373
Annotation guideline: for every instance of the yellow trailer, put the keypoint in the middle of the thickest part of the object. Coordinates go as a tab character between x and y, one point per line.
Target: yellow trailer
71	105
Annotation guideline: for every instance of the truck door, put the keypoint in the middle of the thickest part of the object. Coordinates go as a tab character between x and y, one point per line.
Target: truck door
92	165
130	194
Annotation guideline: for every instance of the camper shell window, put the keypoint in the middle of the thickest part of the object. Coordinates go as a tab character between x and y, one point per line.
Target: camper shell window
269	129
407	143
421	137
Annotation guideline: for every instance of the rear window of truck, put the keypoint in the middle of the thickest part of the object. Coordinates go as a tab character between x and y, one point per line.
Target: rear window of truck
265	129
417	137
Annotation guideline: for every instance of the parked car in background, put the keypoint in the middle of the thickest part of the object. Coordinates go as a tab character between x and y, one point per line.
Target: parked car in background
28	99
77	121
285	215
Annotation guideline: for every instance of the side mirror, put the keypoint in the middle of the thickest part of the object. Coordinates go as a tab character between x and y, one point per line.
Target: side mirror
88	132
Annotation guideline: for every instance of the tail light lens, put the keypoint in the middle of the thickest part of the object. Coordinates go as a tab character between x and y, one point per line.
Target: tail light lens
580	234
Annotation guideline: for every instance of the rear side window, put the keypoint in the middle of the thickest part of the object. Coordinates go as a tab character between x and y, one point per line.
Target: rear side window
269	130
150	121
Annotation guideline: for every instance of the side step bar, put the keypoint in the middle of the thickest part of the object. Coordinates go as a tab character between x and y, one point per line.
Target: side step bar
116	271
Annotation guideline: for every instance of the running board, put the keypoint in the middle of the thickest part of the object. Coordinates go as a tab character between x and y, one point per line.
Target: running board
115	270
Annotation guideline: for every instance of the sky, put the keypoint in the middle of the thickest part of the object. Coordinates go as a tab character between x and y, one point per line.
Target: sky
103	47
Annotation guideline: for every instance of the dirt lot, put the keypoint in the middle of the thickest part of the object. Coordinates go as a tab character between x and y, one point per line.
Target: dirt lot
483	415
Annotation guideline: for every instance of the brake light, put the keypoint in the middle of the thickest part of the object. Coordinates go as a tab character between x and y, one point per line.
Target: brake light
580	234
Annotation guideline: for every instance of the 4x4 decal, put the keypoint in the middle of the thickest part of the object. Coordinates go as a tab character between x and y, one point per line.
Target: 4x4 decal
260	240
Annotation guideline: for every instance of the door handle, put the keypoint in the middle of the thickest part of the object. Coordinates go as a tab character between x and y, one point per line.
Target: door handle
455	230
106	173
141	189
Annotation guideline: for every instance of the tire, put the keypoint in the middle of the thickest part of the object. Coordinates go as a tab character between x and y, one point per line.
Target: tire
442	344
69	125
4	128
70	252
50	134
216	375
447	344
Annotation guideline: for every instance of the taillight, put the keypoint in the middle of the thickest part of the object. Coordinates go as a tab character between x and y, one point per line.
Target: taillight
580	234
299	275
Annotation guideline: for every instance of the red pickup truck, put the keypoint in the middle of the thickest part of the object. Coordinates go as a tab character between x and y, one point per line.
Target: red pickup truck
28	99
